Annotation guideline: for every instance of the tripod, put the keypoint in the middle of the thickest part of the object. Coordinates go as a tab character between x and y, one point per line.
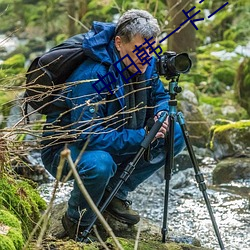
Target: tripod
169	163
173	90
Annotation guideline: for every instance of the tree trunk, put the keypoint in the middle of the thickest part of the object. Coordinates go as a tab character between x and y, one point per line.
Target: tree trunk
83	7
184	41
72	14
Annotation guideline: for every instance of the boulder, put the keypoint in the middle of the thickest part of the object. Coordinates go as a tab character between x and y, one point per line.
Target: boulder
197	125
232	139
150	235
231	169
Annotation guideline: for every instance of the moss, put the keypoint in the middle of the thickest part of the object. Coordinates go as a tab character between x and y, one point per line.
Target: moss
22	200
221	133
225	75
236	125
128	244
13	239
242	84
66	245
219	103
214	101
10	220
16	237
6	243
229	45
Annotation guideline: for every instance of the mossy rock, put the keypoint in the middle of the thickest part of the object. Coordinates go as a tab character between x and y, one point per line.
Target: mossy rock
221	107
150	235
22	200
231	169
10	231
232	139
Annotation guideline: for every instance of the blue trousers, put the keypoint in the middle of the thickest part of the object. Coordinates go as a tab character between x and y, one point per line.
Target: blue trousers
100	170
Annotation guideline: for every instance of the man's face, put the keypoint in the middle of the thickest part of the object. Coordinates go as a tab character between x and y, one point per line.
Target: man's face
127	48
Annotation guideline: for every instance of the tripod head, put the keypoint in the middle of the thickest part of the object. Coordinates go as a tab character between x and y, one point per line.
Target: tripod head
174	89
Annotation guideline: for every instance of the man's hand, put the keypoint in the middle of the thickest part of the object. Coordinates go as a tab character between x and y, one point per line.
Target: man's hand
164	128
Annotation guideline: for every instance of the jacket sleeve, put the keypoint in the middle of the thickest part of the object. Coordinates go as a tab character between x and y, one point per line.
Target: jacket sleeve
88	118
159	95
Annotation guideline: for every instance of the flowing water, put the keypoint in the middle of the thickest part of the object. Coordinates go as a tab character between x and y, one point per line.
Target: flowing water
187	212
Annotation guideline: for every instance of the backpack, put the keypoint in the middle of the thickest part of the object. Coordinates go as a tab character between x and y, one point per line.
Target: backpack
48	73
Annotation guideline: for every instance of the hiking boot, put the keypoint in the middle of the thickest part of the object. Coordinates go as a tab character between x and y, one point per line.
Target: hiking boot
75	231
121	211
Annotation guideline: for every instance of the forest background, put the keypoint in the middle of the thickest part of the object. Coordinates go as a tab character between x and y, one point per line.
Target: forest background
220	50
217	48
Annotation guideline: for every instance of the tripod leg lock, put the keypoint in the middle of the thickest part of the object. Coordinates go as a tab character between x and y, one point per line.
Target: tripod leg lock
200	180
127	172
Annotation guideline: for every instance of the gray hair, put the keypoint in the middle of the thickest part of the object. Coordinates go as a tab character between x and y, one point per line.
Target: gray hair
137	22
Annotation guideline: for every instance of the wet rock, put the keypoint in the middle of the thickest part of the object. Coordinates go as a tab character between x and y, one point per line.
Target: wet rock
231	169
181	179
31	167
190	96
232	139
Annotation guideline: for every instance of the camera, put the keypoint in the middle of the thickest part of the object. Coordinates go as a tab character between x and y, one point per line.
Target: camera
172	65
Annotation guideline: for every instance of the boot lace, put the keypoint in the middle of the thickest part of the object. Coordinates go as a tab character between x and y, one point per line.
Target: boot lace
127	203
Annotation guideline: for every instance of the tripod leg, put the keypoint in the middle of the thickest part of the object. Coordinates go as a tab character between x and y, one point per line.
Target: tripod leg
168	173
199	177
129	169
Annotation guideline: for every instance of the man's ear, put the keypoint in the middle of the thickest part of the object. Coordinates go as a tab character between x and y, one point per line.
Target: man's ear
118	43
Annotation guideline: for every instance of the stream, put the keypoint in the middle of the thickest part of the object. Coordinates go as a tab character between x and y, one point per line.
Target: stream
187	212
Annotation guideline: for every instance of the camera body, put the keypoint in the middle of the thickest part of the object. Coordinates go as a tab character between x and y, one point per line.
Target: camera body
172	65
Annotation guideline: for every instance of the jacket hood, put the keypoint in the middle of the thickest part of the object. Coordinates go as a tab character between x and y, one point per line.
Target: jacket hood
98	43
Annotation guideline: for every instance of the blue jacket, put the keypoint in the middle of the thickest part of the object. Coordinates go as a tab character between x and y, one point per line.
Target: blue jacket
99	117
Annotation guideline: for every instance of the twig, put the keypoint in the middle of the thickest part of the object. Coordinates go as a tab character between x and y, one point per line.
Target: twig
137	236
99	238
77	21
66	154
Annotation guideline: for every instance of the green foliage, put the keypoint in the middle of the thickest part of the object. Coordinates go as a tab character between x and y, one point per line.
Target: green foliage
230	23
224	75
13	66
214	101
16	61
